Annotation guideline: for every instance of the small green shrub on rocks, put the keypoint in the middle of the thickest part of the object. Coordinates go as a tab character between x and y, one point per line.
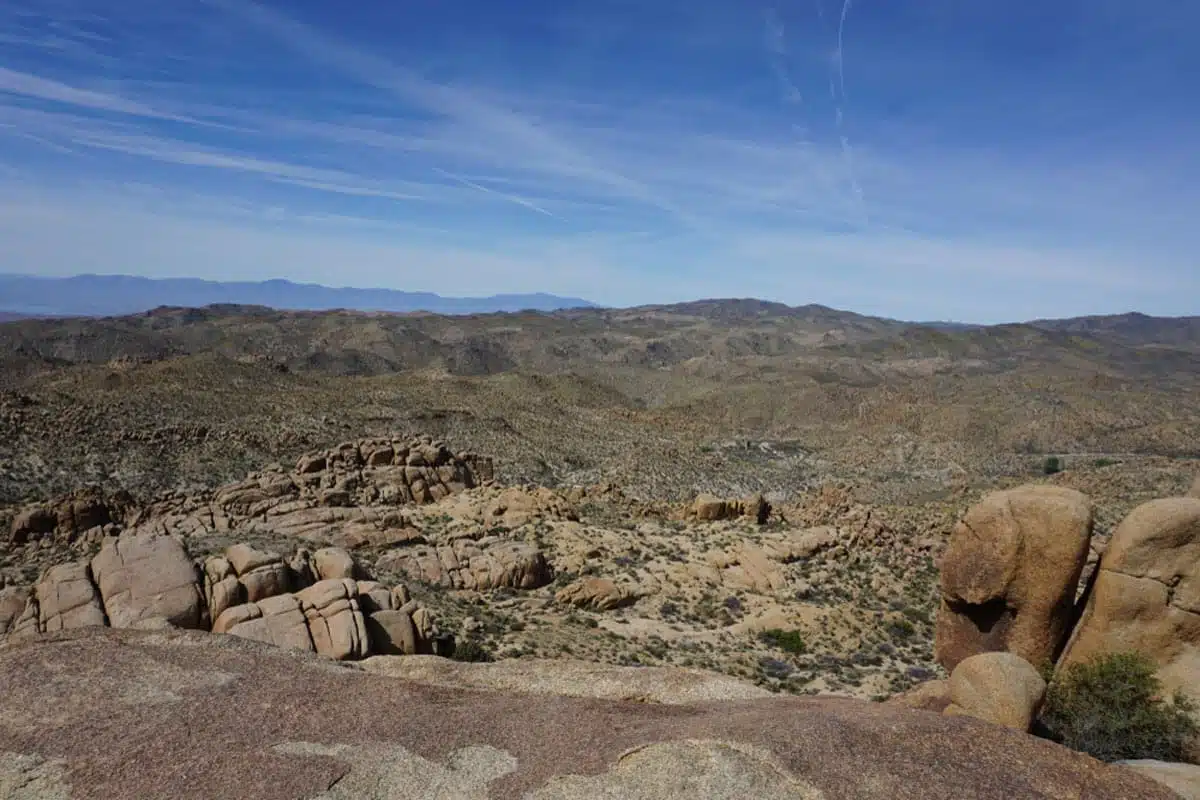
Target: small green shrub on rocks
1112	708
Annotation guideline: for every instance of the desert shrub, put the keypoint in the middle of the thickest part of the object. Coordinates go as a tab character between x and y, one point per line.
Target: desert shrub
468	650
787	641
1112	708
1052	465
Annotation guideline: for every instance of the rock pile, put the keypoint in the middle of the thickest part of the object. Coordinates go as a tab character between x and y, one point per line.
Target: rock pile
322	602
1010	574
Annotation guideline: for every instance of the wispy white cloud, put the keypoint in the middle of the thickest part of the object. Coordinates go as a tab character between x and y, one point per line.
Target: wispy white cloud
32	86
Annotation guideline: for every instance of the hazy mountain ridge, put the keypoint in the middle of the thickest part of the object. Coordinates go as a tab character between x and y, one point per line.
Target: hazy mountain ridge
116	295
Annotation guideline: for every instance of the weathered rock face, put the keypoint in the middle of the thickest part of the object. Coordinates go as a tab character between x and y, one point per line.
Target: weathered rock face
1002	688
1009	574
278	621
13	601
1195	492
1183	779
67	598
340	733
928	696
69	517
335	620
597	594
708	508
487	563
144	575
1146	596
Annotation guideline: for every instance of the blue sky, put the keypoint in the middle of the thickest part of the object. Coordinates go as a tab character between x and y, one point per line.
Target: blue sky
983	161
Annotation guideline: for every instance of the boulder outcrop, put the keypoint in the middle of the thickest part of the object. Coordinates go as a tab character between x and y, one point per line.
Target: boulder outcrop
144	575
1146	595
1009	574
486	563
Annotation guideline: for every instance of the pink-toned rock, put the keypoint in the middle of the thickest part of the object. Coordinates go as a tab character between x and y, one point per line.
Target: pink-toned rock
67	598
145	575
466	564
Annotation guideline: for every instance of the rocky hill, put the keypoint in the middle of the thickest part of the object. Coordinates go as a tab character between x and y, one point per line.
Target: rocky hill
728	397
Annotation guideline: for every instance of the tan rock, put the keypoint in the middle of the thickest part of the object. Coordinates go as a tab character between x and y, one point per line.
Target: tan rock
596	594
374	596
466	564
1002	688
260	573
222	589
335	620
708	508
333	563
278	621
1195	491
928	696
1183	779
146	575
1146	596
1009	574
244	558
391	633
13	600
67	598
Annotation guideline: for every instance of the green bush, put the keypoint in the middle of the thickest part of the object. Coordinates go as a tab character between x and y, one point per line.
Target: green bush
468	650
1112	708
787	641
1052	465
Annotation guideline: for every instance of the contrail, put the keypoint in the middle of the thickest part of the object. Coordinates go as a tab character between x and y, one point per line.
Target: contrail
847	151
521	201
841	29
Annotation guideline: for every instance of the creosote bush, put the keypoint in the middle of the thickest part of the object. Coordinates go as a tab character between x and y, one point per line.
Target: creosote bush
787	641
1112	708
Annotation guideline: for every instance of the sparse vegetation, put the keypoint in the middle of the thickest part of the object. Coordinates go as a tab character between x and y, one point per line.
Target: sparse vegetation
1052	465
1112	708
787	641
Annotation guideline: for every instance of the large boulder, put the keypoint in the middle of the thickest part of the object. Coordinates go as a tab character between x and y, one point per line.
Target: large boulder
145	575
260	573
222	589
277	621
1002	688
216	715
67	598
1146	595
1009	574
335	620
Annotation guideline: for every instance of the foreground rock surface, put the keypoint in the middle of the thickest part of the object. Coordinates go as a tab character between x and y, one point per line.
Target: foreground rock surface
72	701
1009	574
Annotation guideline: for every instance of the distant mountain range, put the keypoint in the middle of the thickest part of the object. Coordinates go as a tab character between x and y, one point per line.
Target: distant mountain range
116	295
